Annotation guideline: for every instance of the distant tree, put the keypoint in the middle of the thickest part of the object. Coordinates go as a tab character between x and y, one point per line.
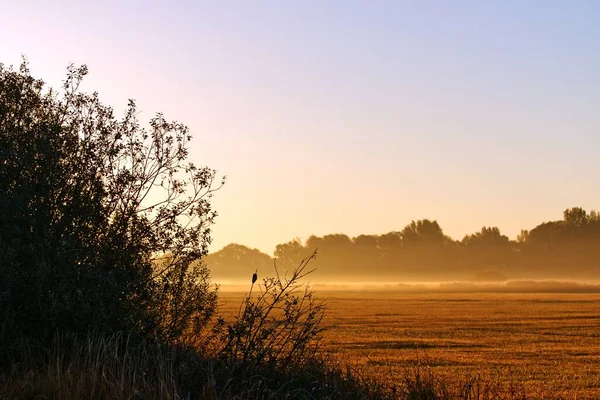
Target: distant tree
488	248
546	234
367	254
238	261
337	242
565	247
314	242
426	249
523	236
423	232
487	236
288	254
389	241
101	220
390	248
593	225
575	217
366	241
337	254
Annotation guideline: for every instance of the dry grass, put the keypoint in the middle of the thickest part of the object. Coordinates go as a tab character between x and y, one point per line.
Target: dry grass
521	345
93	368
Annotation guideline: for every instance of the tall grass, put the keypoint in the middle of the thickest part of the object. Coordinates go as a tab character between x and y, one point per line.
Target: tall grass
93	367
98	367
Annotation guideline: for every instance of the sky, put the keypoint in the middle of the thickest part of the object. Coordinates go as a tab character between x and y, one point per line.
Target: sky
350	117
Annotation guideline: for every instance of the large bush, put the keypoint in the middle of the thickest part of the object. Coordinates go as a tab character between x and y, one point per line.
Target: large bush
102	222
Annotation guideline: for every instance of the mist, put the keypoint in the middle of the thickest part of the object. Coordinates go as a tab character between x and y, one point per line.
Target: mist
560	255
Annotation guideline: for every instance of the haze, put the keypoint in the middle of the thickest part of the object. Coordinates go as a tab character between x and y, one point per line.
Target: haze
350	117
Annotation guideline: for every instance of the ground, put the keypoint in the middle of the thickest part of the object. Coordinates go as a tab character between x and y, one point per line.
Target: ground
541	343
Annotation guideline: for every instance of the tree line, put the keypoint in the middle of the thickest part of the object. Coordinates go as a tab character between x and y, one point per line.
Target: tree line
565	248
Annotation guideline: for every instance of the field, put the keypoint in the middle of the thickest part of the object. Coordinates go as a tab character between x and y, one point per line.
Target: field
545	344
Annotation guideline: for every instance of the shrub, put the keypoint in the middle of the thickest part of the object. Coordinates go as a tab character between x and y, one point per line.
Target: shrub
88	204
279	326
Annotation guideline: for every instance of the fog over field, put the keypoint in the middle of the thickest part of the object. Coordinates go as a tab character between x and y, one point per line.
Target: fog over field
555	255
509	286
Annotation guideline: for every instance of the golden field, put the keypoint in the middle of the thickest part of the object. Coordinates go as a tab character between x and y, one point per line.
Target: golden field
545	345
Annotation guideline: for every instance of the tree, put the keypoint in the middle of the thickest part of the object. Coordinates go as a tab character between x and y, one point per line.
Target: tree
101	220
523	236
366	242
575	217
488	247
547	234
487	236
287	254
423	232
235	260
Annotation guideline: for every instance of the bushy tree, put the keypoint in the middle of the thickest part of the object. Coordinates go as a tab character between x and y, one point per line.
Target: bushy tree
423	232
235	260
575	216
486	237
288	253
101	220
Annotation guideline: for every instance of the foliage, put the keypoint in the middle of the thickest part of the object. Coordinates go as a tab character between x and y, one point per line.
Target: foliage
88	204
422	231
566	248
235	260
280	326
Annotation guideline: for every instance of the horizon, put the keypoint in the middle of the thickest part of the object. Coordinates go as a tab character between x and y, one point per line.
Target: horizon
303	240
337	117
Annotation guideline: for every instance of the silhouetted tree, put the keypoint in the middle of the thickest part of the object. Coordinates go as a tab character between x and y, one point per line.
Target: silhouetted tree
314	242
422	232
486	237
390	247
576	217
366	242
101	220
425	248
545	234
367	255
287	254
488	248
236	261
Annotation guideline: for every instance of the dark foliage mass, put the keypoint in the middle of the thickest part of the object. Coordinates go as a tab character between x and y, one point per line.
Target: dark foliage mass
103	292
101	220
568	248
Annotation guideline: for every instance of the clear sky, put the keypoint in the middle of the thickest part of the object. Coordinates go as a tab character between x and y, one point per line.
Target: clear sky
350	116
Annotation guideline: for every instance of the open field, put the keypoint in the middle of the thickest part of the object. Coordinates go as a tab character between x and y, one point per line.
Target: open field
547	344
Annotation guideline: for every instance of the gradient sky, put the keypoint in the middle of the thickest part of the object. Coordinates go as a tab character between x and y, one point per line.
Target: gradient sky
350	116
